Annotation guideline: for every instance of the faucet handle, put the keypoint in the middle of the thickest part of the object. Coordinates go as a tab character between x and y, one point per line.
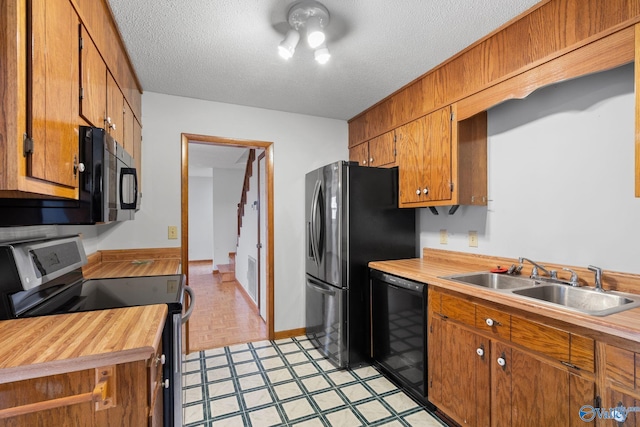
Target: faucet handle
573	281
598	279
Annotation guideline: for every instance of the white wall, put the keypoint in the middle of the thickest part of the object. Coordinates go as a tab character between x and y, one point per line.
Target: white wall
201	218
227	189
301	143
561	179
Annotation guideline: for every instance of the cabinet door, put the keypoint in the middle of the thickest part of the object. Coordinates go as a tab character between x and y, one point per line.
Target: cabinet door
360	154
128	131
115	112
54	75
617	399
382	150
528	391
410	175
437	155
93	99
465	375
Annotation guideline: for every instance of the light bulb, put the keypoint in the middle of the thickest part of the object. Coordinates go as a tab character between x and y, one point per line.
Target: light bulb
315	36
288	46
322	55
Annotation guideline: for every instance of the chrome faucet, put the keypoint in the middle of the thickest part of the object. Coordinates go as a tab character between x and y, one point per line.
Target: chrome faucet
553	274
598	272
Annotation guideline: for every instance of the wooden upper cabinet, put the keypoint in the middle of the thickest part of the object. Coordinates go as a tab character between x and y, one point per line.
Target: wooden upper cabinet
93	89
382	150
424	160
53	73
128	122
115	110
360	154
379	152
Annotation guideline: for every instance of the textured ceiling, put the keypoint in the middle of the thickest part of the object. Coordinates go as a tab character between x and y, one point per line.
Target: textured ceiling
226	50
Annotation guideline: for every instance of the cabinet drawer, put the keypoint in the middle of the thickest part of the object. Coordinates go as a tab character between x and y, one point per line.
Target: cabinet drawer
541	338
458	309
493	321
583	352
620	366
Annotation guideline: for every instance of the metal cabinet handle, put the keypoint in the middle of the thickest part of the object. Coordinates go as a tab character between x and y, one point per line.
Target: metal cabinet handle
418	191
501	361
425	191
480	351
371	160
165	383
364	162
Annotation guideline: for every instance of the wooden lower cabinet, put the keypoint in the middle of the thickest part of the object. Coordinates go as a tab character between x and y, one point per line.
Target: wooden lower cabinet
478	377
459	356
133	398
530	391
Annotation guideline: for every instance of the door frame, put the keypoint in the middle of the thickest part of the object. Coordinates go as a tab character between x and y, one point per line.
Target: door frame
184	209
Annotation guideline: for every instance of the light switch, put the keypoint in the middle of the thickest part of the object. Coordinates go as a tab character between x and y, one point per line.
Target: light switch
473	239
173	232
444	237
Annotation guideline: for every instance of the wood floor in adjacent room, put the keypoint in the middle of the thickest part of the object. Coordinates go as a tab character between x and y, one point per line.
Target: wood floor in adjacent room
223	314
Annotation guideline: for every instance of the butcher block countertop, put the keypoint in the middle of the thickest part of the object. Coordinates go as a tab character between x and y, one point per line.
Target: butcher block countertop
51	345
437	263
132	262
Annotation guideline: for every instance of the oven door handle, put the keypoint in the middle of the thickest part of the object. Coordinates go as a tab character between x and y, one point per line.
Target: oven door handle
192	303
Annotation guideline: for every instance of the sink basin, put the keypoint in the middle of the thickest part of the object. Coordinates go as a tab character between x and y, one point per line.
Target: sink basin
582	300
493	280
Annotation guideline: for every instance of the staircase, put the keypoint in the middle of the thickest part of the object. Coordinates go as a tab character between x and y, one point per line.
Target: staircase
248	172
227	272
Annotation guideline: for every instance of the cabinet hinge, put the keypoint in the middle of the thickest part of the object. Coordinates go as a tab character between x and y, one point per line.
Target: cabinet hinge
453	116
451	184
569	365
81	93
81	43
27	145
596	402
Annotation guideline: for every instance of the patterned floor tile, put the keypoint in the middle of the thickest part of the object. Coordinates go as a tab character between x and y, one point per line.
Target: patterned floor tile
289	383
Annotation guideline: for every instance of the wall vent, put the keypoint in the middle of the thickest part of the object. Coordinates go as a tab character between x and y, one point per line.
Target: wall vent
252	278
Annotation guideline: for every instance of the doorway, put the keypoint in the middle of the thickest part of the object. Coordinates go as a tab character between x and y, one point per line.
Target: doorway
265	301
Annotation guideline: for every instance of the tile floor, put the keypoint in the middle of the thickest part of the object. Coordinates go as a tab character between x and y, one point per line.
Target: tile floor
289	383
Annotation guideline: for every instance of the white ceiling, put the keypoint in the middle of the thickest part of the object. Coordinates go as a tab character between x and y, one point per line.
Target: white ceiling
226	50
203	158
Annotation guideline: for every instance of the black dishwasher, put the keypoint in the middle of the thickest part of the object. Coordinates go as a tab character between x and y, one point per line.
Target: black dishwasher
399	331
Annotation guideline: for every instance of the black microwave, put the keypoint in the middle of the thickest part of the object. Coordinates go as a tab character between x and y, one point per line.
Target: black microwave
108	189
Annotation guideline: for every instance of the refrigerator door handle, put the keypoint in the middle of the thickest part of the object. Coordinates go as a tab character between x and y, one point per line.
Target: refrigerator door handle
321	289
314	218
312	247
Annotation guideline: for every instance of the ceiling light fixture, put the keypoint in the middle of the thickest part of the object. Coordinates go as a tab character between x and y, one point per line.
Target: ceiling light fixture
312	17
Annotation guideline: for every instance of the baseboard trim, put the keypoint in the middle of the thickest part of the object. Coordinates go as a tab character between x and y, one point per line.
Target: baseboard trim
247	297
289	334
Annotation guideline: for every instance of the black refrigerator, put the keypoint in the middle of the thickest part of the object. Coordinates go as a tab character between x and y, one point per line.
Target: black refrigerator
351	218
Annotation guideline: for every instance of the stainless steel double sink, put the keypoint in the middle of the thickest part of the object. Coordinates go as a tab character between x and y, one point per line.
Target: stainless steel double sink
580	299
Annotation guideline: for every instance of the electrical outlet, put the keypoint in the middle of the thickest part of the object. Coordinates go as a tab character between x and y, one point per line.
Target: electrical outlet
443	237
173	232
473	239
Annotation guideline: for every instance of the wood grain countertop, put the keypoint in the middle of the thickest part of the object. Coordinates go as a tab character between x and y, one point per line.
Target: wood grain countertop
51	345
436	264
149	267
